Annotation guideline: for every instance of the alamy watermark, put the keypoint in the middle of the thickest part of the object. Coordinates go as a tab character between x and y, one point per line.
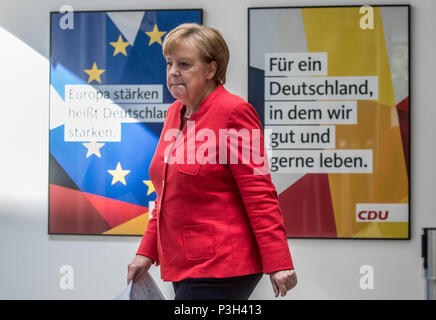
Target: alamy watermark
227	146
66	22
367	279
66	282
367	20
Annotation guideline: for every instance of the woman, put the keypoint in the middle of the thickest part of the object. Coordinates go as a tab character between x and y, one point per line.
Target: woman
217	226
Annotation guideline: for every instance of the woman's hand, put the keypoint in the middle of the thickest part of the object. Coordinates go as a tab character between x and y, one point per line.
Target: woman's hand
137	267
282	281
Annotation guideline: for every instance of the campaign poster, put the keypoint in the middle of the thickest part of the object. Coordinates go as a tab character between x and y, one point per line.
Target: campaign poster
108	101
331	86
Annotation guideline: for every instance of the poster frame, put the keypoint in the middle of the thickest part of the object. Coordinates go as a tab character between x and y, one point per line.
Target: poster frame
409	163
54	234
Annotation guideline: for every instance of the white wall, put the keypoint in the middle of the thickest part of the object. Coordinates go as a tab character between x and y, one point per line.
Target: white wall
327	269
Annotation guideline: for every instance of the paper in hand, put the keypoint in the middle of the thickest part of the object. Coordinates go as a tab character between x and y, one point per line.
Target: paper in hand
144	288
125	294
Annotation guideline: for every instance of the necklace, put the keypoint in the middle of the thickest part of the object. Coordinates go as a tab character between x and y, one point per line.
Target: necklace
187	116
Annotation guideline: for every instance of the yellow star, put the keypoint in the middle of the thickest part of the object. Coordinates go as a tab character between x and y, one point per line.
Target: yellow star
94	73
150	186
155	35
119	174
120	46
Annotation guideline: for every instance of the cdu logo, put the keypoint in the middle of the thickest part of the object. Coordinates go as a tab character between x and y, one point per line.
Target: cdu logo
373	215
382	212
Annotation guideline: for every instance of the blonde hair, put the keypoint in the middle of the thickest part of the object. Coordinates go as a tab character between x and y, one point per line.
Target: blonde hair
208	42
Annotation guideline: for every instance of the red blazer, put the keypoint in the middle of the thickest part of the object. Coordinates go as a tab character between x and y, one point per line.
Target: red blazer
213	219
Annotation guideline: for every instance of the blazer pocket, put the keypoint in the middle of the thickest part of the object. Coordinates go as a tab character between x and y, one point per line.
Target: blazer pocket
199	241
191	169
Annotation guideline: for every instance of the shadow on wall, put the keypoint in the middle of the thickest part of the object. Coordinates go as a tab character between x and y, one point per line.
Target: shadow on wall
30	21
